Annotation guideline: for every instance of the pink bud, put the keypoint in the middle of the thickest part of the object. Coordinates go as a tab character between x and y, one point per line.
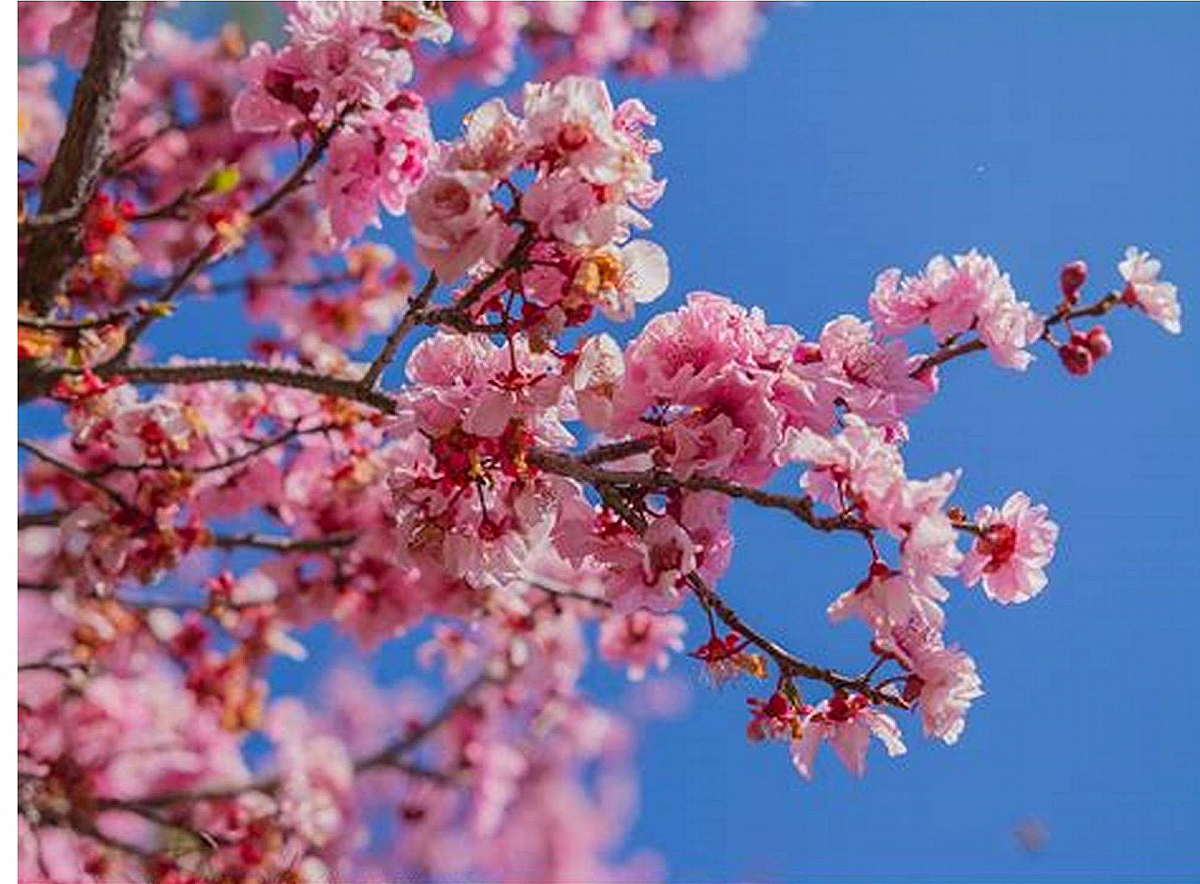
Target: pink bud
1076	358
1099	344
1071	279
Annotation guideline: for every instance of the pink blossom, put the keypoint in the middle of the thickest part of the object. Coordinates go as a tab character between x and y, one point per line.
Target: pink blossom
1143	288
858	467
1009	328
847	723
954	296
599	370
888	598
492	140
1015	544
568	208
381	159
873	378
709	373
943	683
641	640
340	53
39	119
453	220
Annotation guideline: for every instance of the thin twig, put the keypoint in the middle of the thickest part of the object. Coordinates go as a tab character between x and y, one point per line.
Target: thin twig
412	316
211	251
76	473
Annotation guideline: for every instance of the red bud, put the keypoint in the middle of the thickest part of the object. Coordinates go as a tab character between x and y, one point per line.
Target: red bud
1099	344
1076	358
1071	279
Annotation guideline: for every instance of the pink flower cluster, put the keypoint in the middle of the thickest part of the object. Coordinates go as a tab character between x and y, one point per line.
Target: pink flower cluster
341	72
861	472
633	39
591	176
954	296
725	388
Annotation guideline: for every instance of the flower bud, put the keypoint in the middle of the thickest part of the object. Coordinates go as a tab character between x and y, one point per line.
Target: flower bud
1099	344
1076	358
1071	279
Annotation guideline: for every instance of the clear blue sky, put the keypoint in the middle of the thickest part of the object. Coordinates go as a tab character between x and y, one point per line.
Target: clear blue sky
865	136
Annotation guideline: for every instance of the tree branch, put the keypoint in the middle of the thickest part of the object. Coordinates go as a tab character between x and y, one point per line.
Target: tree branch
75	171
581	470
275	543
77	474
789	664
954	351
411	317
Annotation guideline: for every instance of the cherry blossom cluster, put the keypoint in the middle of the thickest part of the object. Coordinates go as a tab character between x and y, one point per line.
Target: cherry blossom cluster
341	71
527	491
632	39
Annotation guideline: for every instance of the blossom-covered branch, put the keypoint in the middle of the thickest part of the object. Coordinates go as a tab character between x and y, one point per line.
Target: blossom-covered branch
527	476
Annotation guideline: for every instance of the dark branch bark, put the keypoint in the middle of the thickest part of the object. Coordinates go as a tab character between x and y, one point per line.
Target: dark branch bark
75	172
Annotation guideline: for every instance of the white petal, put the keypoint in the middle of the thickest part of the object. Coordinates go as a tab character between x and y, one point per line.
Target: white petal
646	271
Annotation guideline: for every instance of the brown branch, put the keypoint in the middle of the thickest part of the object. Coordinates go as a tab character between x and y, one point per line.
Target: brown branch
72	325
75	171
616	450
453	314
789	664
40	519
258	447
389	754
275	543
954	351
660	480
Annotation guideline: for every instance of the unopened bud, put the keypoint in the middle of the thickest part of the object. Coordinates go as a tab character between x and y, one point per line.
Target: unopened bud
1099	344
1076	358
1071	279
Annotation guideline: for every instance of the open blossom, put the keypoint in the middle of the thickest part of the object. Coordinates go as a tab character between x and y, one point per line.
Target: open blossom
847	723
889	598
39	119
859	466
1143	288
568	208
943	681
946	684
641	640
598	370
1015	545
873	377
954	295
454	221
590	177
574	129
338	54
381	158
573	119
670	555
710	374
776	718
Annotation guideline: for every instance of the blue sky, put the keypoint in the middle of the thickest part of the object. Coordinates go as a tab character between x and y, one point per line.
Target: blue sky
867	136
